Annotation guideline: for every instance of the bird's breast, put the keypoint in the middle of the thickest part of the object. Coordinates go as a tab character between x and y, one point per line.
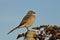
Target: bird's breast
30	21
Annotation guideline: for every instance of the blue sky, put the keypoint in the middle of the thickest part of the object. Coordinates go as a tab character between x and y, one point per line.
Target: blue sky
12	12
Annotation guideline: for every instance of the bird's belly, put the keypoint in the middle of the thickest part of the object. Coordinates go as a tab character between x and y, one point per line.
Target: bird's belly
30	22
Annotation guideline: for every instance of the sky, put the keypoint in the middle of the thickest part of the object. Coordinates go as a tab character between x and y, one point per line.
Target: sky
13	11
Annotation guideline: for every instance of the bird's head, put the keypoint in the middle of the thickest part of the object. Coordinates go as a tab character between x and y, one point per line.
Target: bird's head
31	12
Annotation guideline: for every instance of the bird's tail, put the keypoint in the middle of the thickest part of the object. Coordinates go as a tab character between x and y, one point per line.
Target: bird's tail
13	29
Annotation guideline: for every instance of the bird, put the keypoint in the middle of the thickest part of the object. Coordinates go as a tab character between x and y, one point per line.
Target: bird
26	22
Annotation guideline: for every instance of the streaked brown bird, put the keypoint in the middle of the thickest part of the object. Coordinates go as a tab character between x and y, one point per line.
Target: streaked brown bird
27	21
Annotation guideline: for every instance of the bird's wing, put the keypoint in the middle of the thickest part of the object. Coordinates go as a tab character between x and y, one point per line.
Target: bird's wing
24	20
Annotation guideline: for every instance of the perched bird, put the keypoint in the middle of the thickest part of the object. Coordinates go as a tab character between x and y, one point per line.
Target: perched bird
27	21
